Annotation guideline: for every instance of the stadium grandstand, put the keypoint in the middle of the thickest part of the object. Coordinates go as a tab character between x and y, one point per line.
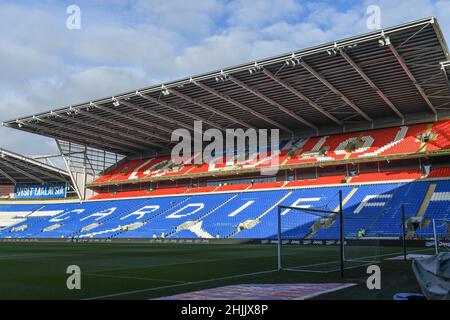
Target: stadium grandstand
366	115
362	161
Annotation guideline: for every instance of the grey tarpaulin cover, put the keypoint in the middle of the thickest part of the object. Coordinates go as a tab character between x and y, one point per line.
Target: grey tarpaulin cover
433	275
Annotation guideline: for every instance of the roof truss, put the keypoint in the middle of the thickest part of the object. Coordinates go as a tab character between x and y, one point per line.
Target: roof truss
272	102
210	109
20	169
398	82
408	72
179	110
241	106
300	95
332	88
23	172
7	176
366	78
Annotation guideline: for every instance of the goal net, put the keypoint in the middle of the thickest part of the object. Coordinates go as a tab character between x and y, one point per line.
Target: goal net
441	232
325	238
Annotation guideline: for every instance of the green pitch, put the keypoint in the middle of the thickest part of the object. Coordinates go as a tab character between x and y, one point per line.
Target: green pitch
144	271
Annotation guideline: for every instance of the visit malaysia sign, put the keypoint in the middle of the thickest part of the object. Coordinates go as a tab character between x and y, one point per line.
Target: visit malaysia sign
45	191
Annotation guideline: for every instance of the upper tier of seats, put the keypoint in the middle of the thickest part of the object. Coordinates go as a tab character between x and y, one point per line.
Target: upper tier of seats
336	179
390	142
376	207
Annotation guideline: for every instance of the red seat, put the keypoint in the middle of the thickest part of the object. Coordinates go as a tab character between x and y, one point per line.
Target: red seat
202	189
387	175
267	185
168	191
318	181
371	143
439	172
234	187
442	138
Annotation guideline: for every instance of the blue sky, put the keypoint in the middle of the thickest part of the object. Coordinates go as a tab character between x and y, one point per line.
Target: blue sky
124	45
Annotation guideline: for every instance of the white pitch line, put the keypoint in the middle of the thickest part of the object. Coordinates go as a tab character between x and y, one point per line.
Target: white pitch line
34	255
336	261
273	254
184	262
179	285
133	278
312	295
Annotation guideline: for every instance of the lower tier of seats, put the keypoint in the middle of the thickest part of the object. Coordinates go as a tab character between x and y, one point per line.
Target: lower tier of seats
375	208
392	175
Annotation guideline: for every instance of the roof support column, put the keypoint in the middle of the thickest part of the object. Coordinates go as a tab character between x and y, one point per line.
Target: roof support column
67	164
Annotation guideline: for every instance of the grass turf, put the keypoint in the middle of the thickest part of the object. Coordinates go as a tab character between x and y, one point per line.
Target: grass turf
144	271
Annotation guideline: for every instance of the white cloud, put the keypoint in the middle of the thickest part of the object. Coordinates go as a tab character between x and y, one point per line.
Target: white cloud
191	18
256	13
20	64
128	44
33	27
88	84
395	12
217	51
148	47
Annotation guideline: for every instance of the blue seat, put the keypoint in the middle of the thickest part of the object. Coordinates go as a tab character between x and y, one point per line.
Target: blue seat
376	207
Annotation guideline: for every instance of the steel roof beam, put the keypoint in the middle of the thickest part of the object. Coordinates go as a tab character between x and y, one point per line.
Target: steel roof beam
300	95
272	102
105	129
31	161
366	78
400	31
334	90
241	106
7	176
92	134
121	125
156	115
138	120
210	109
408	72
63	134
178	110
43	172
444	66
29	175
66	160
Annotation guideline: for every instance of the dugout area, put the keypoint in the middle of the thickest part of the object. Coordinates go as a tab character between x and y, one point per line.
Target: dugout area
37	270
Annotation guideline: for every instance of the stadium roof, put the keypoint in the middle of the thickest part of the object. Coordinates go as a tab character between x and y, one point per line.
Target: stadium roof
384	78
446	71
18	169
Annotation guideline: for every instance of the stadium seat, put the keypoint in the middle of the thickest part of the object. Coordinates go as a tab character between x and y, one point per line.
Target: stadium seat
439	172
387	175
357	145
237	213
